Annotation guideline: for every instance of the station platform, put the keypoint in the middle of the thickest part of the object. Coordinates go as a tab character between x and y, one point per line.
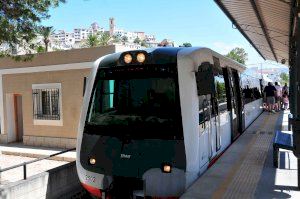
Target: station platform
19	149
246	170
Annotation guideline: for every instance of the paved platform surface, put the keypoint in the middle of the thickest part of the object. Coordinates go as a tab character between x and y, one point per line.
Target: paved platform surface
246	169
16	174
16	153
18	149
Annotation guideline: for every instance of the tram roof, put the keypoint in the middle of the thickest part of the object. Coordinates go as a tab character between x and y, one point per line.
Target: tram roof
224	61
266	24
208	55
165	55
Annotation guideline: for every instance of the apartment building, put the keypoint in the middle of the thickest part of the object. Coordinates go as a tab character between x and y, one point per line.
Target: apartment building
68	40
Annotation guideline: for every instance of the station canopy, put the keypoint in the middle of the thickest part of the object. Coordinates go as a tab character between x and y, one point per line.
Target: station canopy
264	23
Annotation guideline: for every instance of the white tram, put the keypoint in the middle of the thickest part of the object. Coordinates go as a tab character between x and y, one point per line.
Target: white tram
154	120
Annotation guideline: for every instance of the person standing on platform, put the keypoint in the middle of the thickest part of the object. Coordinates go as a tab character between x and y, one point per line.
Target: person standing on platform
278	97
270	91
285	101
248	95
285	89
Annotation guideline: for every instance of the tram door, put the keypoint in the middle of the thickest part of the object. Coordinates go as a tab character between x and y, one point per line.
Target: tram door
207	129
219	112
204	128
236	103
214	135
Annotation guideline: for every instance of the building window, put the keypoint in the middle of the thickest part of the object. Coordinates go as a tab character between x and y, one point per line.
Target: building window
46	103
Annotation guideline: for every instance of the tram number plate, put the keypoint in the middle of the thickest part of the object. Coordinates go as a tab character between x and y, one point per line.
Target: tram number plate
90	178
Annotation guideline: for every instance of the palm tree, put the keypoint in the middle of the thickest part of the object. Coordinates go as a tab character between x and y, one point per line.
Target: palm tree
144	44
46	33
104	39
92	41
137	40
124	39
40	49
116	39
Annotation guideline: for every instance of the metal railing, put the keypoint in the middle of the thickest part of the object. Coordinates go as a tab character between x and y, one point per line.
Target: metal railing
24	164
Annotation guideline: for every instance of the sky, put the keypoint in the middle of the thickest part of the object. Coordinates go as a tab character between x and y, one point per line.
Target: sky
199	22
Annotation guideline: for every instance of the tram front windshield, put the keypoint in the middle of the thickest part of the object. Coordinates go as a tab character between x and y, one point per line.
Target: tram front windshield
134	103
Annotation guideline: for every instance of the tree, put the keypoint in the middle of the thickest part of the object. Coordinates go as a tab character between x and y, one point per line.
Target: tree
116	39
144	44
284	78
104	39
221	90
124	38
137	40
20	23
40	49
46	33
238	54
186	44
92	41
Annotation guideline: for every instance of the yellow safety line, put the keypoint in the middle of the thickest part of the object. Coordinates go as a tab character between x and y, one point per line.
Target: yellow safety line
219	193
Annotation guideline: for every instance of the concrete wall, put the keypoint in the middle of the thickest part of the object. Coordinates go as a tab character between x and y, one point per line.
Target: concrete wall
3	138
54	183
252	111
72	95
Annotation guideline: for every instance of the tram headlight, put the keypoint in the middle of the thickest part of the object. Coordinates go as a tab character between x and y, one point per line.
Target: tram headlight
127	58
166	168
140	57
92	161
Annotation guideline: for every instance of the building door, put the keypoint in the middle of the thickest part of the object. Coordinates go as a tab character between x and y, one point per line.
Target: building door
18	117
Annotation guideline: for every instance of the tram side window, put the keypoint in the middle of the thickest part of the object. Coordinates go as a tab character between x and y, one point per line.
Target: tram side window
251	88
221	93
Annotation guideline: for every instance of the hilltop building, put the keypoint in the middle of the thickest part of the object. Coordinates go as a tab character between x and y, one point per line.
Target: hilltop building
112	26
64	40
67	40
